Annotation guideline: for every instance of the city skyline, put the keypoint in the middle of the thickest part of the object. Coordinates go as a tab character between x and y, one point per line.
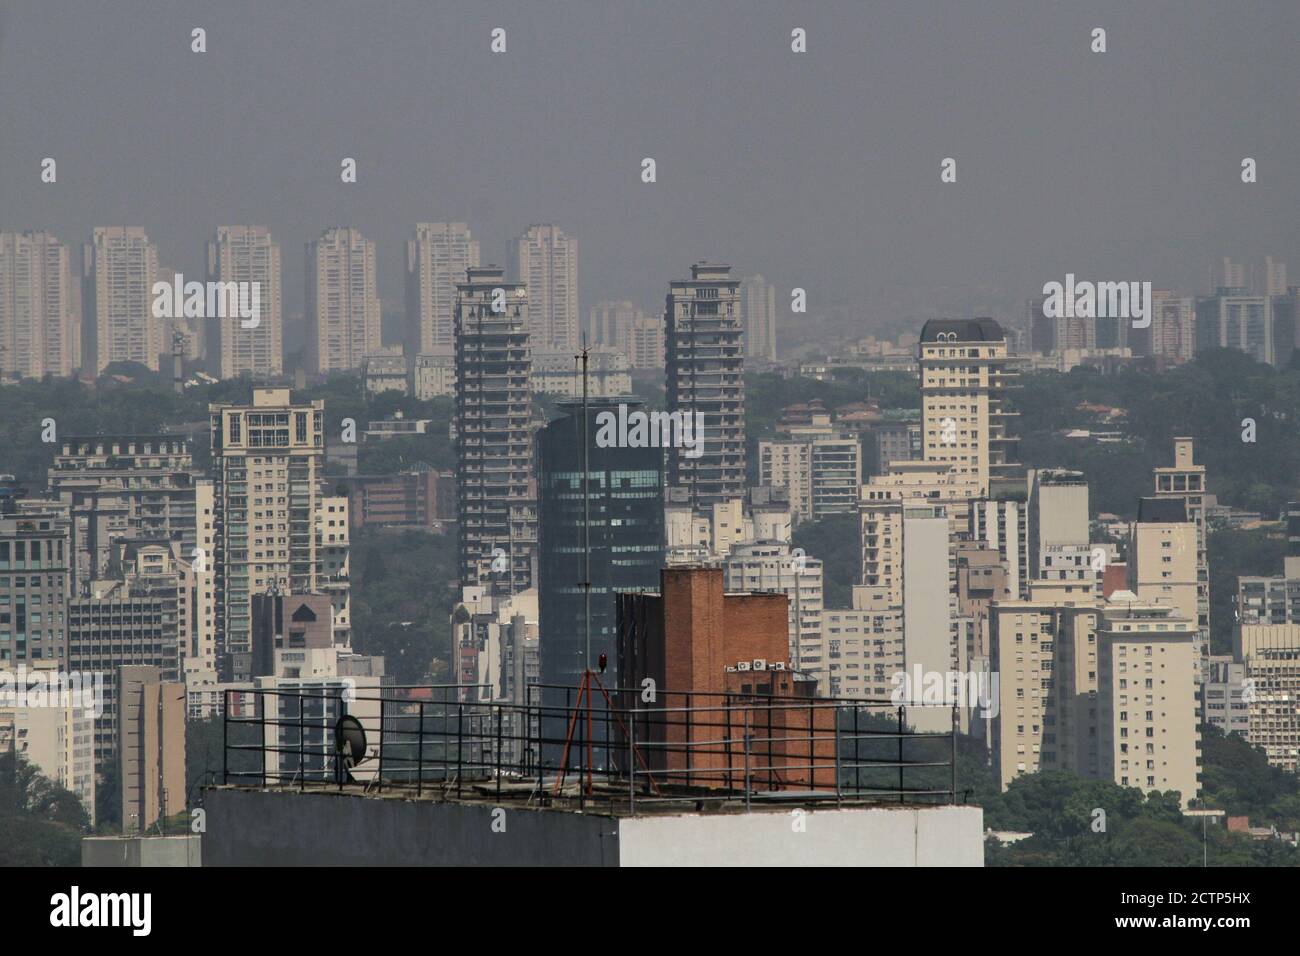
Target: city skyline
1116	208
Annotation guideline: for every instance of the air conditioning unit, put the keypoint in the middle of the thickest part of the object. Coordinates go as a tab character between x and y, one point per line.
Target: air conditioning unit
730	668
743	666
778	666
760	664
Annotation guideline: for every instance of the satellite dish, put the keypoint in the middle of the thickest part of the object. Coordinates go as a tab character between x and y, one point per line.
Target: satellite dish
349	744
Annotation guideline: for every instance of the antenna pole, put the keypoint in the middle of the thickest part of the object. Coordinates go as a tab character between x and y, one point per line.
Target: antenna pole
586	519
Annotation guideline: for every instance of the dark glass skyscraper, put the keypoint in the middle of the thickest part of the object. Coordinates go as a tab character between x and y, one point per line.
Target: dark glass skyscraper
627	536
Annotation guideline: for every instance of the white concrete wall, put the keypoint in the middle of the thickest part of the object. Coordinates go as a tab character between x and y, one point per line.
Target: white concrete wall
901	836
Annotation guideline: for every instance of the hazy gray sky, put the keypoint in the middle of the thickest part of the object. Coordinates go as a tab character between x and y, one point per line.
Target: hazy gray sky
819	169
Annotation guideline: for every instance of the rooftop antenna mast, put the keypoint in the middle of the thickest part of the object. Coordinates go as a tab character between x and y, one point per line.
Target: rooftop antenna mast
586	514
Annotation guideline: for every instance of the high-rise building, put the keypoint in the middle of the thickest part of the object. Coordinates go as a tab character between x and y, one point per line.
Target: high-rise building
1230	275
1148	733
625	504
1002	526
266	462
705	377
137	486
1274	277
964	418
1043	647
863	648
35	553
496	504
823	475
1058	525
1172	334
119	268
646	342
608	322
546	263
625	327
40	328
343	318
1224	696
1162	556
927	616
1269	653
110	629
758	306
59	741
1234	319
236	345
1270	600
1185	480
437	258
150	747
557	373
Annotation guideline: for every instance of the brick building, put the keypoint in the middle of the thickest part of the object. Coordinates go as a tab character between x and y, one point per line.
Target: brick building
721	674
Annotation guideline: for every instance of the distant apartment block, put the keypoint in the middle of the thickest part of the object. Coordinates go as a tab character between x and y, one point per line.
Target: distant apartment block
1269	653
40	301
823	476
385	371
546	263
626	328
342	301
119	268
418	500
438	256
433	375
235	345
1235	319
758	306
559	373
1224	696
863	648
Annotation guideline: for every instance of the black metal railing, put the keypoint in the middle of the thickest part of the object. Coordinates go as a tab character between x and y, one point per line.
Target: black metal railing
623	747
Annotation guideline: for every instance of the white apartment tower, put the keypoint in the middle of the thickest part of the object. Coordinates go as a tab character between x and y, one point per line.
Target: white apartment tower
40	329
119	268
546	262
246	254
342	301
267	460
438	256
1185	480
964	419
